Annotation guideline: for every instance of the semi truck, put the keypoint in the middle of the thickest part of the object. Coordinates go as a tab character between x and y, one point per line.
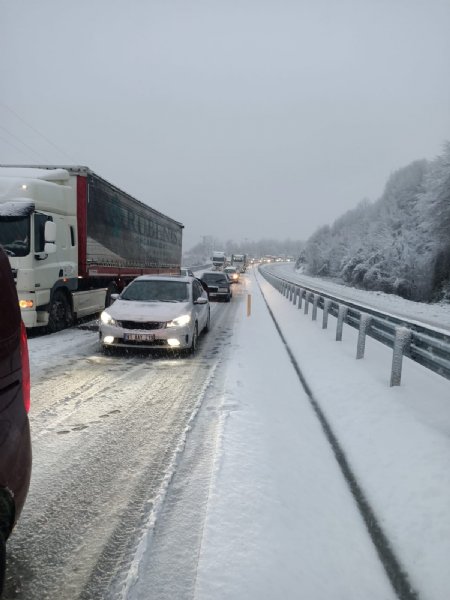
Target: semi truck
240	262
73	239
219	260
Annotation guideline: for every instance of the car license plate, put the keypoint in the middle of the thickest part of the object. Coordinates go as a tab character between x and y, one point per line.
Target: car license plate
139	337
223	289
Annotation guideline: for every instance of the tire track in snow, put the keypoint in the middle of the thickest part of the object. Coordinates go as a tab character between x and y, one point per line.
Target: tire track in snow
394	570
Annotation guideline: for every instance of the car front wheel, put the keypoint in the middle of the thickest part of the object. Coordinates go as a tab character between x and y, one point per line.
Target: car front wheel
193	347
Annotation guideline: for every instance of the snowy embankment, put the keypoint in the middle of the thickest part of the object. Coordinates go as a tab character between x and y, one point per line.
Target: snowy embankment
437	315
281	521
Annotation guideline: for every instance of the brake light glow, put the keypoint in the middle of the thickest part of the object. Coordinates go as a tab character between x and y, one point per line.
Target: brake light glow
25	367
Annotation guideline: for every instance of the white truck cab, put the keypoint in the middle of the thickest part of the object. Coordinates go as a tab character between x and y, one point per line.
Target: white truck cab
38	231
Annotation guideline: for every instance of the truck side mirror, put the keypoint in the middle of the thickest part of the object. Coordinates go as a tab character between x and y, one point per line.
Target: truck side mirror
50	232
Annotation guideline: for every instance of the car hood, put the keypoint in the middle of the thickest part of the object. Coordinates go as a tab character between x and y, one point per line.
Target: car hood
131	310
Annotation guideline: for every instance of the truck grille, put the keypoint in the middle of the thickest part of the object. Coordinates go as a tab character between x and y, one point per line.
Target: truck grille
149	325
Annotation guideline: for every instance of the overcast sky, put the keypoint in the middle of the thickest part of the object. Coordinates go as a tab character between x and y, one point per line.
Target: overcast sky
239	118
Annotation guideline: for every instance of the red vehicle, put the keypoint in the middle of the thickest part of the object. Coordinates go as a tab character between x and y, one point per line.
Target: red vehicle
73	239
15	442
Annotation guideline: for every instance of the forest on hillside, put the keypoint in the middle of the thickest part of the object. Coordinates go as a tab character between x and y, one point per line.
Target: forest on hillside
399	244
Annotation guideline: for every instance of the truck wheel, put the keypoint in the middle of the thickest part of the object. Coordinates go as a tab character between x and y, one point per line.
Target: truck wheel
60	314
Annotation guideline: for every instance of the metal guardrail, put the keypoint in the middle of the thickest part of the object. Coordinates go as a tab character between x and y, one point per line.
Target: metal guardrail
426	346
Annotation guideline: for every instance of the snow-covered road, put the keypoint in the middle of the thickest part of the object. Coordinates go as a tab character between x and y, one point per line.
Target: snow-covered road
106	433
210	478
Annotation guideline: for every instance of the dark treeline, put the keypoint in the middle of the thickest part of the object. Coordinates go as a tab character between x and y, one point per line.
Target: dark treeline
398	244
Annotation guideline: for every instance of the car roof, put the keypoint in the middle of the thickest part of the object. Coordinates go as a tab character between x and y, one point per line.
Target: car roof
212	273
186	278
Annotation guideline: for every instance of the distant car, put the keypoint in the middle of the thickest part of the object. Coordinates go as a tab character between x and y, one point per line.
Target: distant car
233	274
15	441
217	285
186	272
156	312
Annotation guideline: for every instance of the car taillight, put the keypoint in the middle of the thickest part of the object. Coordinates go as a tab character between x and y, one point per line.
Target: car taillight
25	367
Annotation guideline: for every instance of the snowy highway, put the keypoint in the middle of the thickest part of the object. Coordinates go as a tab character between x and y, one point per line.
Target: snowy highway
106	432
212	477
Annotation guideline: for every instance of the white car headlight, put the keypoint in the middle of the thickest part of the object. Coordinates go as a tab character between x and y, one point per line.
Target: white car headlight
107	319
179	321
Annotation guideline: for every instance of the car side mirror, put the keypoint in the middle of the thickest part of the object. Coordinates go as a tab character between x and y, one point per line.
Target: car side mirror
114	296
201	300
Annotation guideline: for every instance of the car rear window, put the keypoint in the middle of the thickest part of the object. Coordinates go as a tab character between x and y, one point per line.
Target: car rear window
213	278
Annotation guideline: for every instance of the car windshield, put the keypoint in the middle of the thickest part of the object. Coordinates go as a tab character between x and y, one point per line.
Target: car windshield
214	278
156	291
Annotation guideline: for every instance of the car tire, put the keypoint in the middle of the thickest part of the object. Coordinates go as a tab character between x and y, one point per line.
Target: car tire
228	298
2	560
193	347
60	314
208	322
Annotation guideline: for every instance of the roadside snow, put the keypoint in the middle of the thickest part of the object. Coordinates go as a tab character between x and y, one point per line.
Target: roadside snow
437	315
281	522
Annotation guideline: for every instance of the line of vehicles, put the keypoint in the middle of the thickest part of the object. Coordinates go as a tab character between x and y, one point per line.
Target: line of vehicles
164	312
73	245
221	261
153	311
73	239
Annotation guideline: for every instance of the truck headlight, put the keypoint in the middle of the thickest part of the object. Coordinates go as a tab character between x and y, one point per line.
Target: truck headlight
26	303
107	319
179	321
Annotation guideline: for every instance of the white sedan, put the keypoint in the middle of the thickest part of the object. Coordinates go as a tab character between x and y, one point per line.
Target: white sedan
156	312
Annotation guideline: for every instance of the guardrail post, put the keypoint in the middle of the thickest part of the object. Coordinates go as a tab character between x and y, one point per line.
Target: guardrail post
364	324
314	311
291	293
326	310
340	321
306	302
294	297
300	297
401	341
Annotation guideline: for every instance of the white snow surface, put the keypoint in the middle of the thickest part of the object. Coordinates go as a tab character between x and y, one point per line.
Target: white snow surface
436	315
281	521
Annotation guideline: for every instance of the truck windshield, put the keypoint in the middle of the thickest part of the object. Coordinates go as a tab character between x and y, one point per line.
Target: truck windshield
15	235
